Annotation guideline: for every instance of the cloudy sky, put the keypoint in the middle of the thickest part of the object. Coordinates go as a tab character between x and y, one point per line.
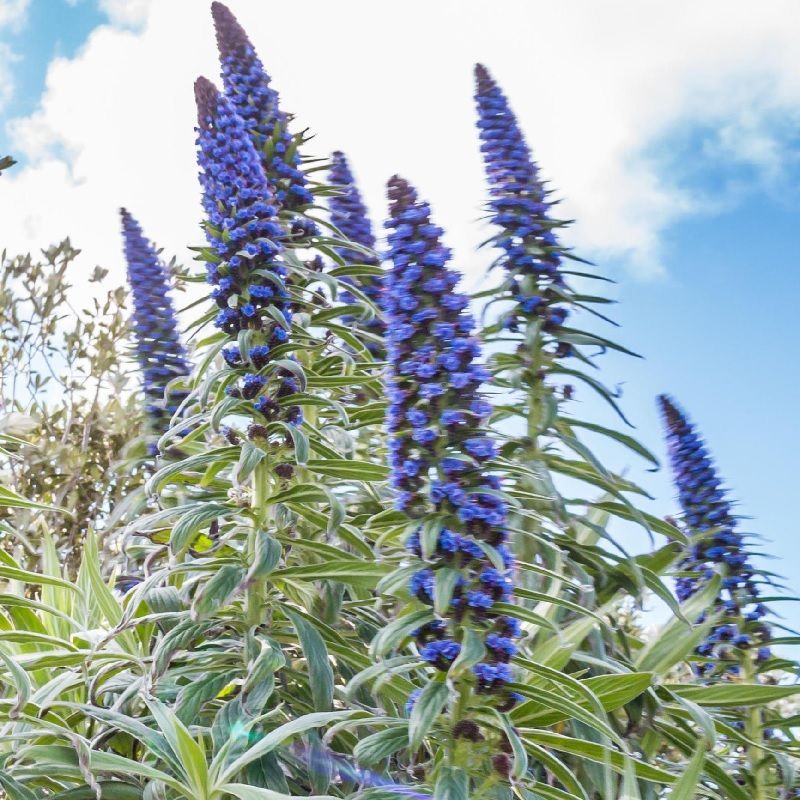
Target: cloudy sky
670	130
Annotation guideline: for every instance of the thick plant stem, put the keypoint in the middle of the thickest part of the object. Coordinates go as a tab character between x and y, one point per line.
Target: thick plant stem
255	589
754	730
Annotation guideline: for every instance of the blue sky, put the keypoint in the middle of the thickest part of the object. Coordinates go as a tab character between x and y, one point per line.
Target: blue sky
49	30
672	134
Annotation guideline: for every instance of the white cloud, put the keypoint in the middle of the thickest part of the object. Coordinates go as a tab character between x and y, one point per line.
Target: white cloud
125	12
596	87
12	12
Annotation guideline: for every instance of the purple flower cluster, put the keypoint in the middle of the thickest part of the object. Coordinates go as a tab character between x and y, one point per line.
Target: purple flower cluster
349	215
716	547
244	236
247	86
519	206
159	350
439	450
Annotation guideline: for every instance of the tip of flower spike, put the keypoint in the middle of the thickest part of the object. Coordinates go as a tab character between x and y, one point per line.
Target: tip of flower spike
670	411
340	173
483	78
130	226
401	194
206	96
231	37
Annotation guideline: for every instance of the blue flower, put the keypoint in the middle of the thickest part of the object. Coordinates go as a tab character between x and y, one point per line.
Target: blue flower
441	653
438	447
349	215
520	207
249	89
241	211
412	700
421	585
160	353
715	541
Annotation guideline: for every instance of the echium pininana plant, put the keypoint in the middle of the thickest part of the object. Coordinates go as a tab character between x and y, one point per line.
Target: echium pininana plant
737	646
159	349
248	87
717	547
439	457
537	302
520	207
349	215
247	275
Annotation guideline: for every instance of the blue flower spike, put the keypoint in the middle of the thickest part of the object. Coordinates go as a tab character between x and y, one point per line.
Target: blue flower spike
245	268
350	216
440	452
519	205
249	89
717	547
159	350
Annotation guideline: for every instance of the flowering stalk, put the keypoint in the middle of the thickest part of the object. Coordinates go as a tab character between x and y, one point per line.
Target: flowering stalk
737	646
248	277
248	87
160	352
536	302
520	207
717	547
349	215
438	456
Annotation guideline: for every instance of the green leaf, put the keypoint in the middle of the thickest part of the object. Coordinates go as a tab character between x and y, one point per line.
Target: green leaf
517	748
191	756
294	368
14	789
614	691
245	792
676	640
622	438
217	591
372	749
100	761
685	788
268	554
472	652
266	773
446	581
451	784
655	524
21	682
34	578
191	697
357	573
190	523
10	499
597	753
398	629
426	709
276	737
349	470
734	694
320	674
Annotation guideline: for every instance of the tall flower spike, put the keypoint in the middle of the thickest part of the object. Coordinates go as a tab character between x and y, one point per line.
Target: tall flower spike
716	547
349	215
247	274
439	452
520	207
247	85
159	350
